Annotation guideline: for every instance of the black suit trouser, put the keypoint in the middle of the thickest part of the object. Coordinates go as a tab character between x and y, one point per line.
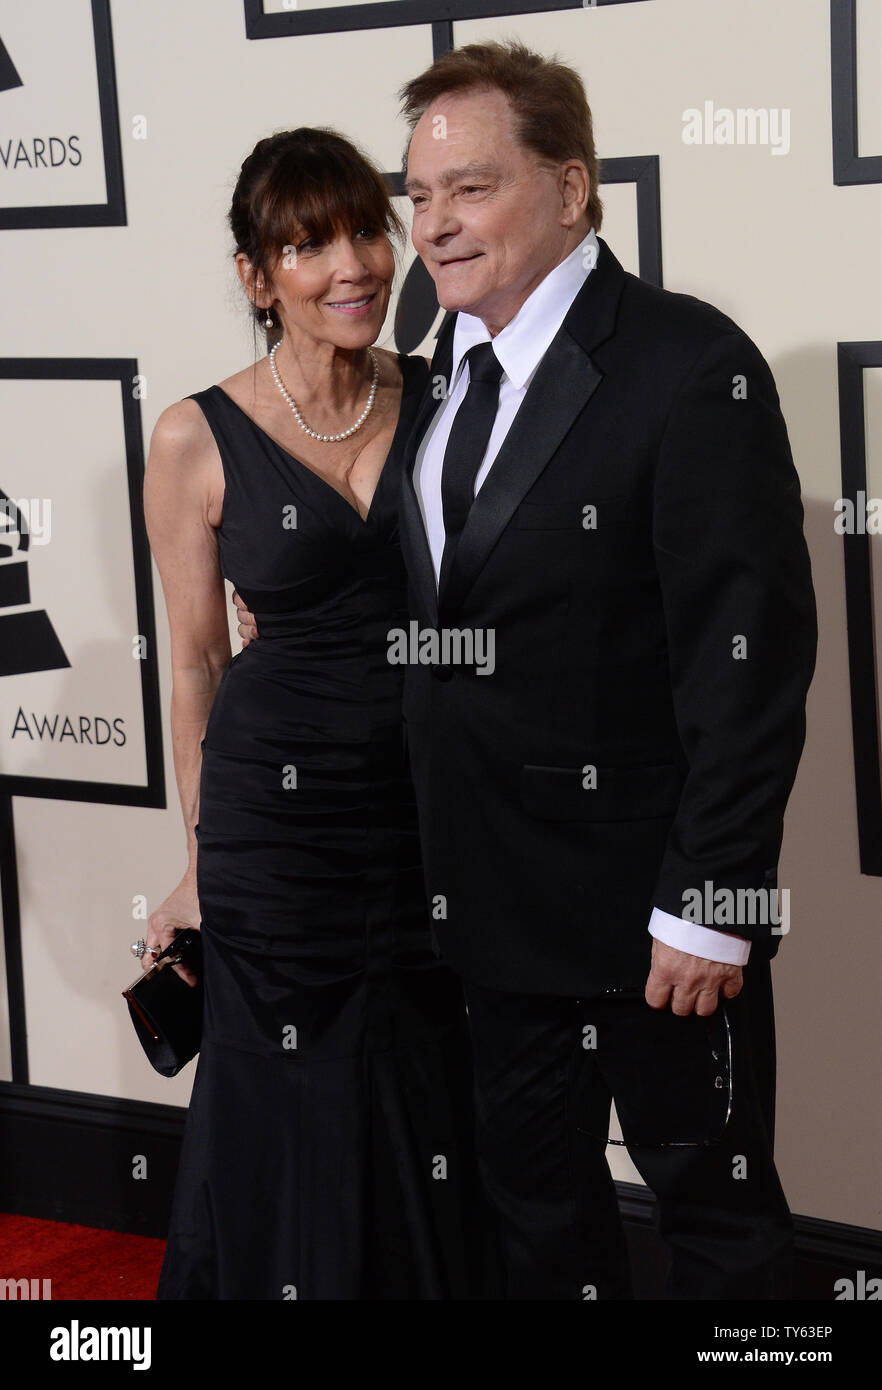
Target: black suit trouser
544	1083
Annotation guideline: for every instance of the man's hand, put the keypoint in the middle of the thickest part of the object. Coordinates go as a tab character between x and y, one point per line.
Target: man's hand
247	625
691	983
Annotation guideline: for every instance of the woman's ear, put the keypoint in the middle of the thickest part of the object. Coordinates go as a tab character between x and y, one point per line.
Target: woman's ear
246	274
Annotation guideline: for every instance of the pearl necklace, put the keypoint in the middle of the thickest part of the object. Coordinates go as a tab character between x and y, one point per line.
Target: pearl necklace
325	438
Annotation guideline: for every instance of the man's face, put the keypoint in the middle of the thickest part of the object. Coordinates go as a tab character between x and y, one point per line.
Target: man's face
487	220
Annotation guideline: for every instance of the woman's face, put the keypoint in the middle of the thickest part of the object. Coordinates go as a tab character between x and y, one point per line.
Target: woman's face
319	288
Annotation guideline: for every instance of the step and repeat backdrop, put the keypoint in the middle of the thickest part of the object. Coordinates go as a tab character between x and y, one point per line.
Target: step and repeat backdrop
741	148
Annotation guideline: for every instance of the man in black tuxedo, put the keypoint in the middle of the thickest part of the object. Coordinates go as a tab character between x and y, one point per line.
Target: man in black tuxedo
599	491
607	489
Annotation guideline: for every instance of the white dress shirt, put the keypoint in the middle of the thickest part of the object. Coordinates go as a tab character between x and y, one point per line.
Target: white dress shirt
520	346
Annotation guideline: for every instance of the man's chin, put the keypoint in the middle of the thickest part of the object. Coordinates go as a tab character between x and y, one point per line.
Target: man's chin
456	303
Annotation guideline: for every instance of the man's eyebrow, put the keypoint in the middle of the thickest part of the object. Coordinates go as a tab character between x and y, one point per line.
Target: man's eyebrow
473	170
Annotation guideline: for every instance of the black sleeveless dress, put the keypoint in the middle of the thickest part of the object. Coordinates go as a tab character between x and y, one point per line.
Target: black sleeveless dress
328	1144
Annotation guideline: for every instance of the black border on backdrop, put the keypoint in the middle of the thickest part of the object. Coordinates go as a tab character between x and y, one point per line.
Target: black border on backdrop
111	213
853	358
152	794
388	14
848	166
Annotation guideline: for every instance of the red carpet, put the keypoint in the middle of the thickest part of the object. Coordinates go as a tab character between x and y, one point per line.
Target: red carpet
80	1262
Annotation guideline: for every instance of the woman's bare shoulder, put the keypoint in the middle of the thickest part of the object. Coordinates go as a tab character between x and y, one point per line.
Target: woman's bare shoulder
184	471
181	431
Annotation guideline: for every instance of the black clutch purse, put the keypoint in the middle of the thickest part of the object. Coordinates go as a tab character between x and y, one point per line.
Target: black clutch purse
166	1011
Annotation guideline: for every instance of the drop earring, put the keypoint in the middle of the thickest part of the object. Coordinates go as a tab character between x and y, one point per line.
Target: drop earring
268	322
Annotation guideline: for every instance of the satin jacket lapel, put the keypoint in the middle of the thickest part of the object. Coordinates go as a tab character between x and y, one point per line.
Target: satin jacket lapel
562	385
414	542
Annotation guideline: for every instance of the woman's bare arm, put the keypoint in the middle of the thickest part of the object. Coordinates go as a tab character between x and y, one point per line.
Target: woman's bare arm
182	509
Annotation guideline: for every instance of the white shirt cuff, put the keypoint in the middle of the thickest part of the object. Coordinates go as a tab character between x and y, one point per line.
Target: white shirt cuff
698	940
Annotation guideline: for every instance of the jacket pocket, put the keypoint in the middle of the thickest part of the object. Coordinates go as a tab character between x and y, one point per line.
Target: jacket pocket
615	793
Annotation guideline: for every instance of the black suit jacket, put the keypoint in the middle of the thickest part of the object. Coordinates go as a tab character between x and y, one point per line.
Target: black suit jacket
615	648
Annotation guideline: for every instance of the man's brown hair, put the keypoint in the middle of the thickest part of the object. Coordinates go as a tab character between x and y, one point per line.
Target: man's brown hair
550	110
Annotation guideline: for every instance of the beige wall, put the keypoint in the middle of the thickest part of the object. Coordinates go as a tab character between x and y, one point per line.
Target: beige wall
795	260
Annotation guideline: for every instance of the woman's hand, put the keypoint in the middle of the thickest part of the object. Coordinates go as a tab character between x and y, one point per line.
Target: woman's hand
180	910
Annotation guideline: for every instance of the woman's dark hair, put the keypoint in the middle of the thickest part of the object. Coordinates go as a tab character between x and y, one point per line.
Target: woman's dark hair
311	178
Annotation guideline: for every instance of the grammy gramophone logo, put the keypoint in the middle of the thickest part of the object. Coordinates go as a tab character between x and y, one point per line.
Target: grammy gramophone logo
27	639
9	77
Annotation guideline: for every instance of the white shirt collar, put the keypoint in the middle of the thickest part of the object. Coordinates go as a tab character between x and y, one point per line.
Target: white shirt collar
522	343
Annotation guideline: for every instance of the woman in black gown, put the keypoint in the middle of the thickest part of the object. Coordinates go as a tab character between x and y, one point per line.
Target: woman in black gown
328	1144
